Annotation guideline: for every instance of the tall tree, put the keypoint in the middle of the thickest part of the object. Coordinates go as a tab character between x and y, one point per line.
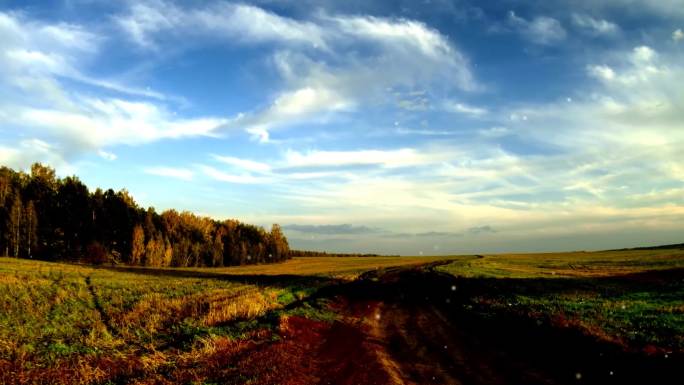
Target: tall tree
15	216
30	226
137	245
278	246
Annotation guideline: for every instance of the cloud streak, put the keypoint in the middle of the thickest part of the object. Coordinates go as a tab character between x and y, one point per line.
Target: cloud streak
309	56
542	30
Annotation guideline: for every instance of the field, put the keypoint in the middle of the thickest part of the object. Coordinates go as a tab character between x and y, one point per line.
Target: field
69	320
489	319
328	267
634	298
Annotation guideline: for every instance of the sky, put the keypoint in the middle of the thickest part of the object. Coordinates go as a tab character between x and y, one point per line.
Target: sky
393	127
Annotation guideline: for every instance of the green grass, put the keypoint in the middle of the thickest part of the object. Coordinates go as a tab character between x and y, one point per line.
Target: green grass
55	314
66	322
632	297
568	265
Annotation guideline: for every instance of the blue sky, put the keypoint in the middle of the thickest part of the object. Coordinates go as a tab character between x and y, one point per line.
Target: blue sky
405	127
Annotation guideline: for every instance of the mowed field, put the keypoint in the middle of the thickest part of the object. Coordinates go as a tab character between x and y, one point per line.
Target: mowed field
267	324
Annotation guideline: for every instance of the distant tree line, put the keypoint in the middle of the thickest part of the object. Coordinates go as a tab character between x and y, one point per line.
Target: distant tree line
308	253
46	217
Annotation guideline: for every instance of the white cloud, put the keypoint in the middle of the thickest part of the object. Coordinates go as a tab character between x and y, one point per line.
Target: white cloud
325	75
32	53
677	35
667	9
149	21
495	132
107	155
602	72
408	41
541	30
466	109
32	150
634	113
595	26
244	164
293	107
170	172
319	89
106	122
643	54
221	176
37	57
640	66
401	34
385	158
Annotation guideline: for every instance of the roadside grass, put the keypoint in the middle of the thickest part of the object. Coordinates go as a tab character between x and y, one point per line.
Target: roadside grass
634	297
60	315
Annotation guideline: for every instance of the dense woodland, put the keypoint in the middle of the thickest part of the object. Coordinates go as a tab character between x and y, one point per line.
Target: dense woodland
46	217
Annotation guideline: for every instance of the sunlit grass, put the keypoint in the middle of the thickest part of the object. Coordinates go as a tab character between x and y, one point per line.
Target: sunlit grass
337	267
63	323
60	315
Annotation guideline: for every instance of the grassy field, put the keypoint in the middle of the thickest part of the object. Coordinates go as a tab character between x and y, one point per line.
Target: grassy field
632	297
60	321
333	267
69	318
566	265
65	323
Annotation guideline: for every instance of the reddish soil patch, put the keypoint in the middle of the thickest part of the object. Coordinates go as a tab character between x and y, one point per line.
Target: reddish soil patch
313	352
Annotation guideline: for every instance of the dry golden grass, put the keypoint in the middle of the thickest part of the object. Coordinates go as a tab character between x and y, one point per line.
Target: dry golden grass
65	323
337	267
69	323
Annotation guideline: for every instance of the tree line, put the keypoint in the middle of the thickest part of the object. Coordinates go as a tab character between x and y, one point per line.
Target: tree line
46	217
311	253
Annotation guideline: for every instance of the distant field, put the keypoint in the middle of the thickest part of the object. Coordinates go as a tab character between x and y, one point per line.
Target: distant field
632	297
337	267
568	265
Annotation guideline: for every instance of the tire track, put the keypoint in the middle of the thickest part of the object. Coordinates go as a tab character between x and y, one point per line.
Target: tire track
106	319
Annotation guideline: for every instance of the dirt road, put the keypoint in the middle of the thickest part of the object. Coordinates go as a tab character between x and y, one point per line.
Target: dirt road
405	326
409	326
409	336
